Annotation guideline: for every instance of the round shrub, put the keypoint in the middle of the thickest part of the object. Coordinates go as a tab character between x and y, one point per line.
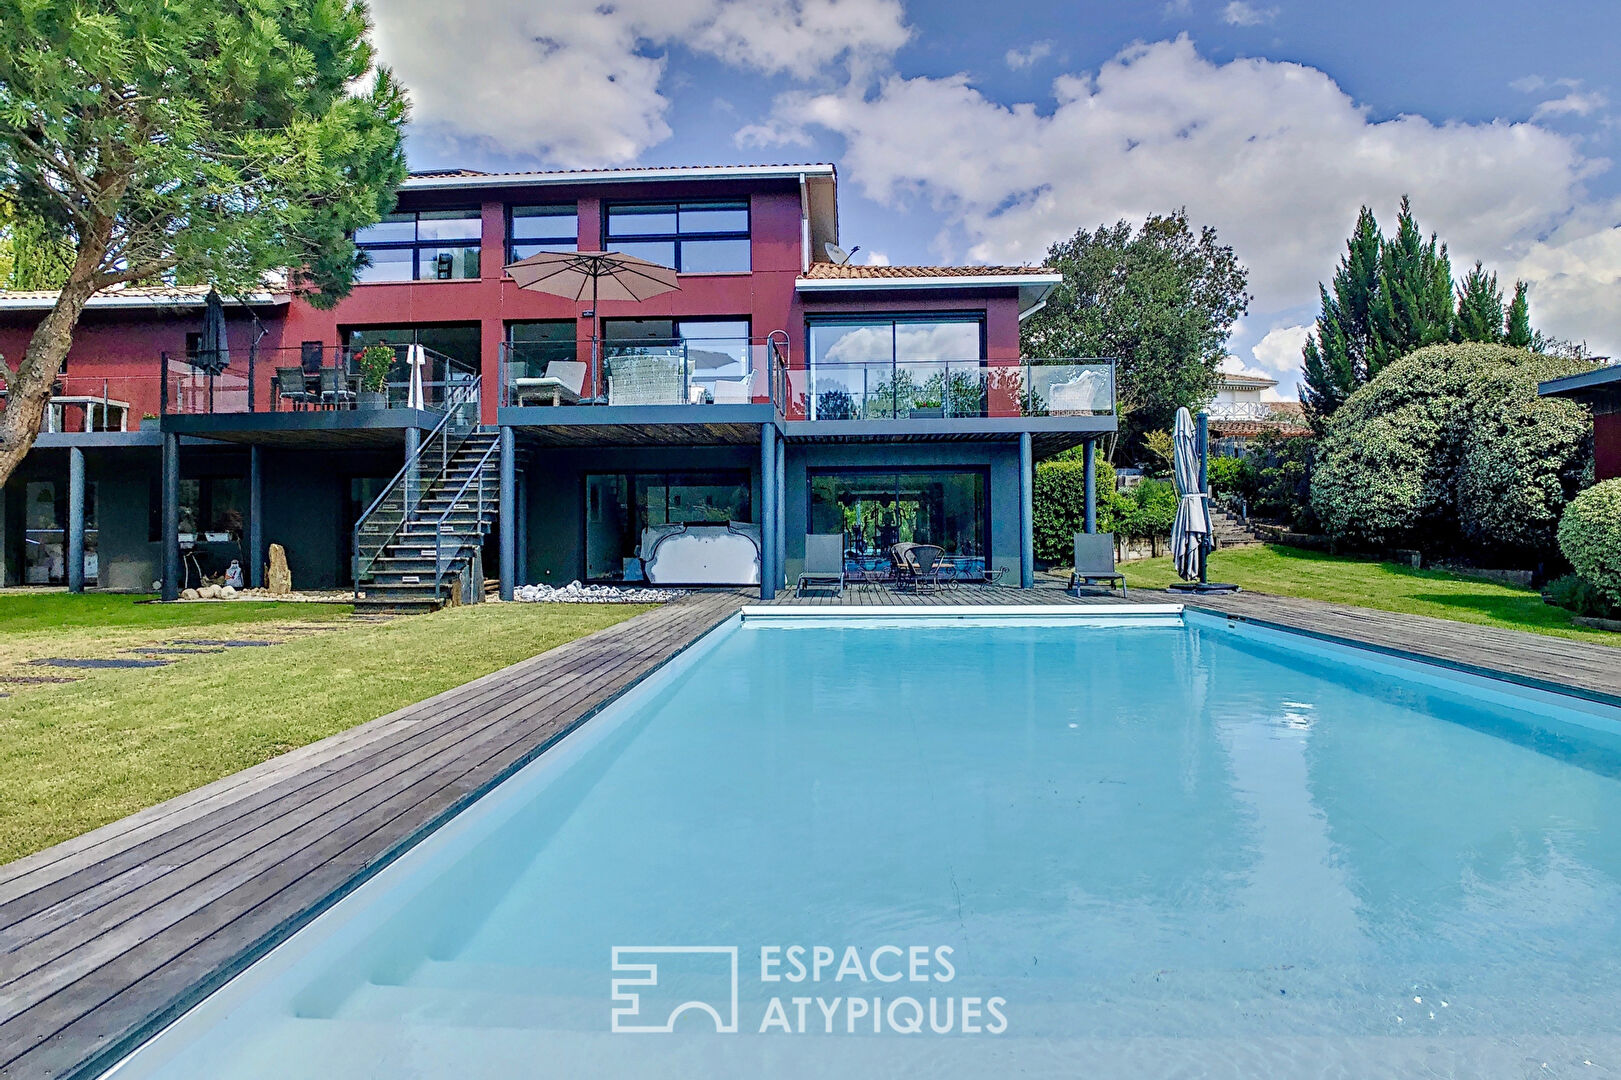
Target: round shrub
1450	449
1224	475
1590	537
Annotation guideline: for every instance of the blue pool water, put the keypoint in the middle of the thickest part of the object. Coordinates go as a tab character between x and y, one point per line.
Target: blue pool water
1163	849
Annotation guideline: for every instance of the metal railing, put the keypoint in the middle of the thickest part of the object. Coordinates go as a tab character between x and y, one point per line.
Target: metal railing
1243	410
310	376
715	371
945	388
442	563
381	522
97	403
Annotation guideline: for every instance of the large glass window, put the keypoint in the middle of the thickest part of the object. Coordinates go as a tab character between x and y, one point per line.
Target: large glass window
619	507
45	536
896	367
532	229
431	245
875	509
533	345
694	238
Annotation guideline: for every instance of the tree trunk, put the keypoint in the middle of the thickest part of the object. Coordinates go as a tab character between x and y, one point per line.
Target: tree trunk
28	389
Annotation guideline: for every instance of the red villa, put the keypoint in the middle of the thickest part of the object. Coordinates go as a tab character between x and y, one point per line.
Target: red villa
778	392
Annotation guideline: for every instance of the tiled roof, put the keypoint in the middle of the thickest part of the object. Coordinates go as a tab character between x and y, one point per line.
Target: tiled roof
846	272
1287	428
129	296
428	175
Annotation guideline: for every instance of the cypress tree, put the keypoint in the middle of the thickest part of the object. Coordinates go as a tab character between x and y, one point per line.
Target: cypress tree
1414	305
1519	320
1337	355
1480	308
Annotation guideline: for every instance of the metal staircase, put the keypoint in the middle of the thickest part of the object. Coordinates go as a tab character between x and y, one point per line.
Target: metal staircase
422	537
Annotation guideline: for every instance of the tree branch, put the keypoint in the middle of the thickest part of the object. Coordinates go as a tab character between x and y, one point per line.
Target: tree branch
144	270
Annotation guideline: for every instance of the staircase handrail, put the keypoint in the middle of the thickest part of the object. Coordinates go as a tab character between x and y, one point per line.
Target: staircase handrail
439	527
455	401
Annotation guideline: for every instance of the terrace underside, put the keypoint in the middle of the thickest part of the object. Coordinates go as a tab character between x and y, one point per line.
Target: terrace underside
313	430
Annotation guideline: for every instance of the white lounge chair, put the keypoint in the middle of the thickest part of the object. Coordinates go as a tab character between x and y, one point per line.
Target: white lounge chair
563	383
824	562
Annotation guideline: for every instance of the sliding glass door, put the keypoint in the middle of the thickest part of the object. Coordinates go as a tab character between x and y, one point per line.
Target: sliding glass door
620	507
875	509
897	367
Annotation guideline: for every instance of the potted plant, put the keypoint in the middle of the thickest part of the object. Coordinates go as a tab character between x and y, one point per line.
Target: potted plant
373	364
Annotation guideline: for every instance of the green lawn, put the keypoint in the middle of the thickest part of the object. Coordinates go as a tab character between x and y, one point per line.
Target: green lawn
22	611
77	755
1316	575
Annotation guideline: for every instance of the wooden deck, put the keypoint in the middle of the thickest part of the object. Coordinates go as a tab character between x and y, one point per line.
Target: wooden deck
108	936
105	937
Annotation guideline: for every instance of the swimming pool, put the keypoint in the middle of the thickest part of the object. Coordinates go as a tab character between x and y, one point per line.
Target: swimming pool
1105	846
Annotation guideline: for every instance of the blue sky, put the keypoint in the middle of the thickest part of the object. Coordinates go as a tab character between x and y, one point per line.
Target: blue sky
969	132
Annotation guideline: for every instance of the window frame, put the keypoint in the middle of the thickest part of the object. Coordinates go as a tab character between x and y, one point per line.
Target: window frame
417	244
982	472
573	240
677	237
630	476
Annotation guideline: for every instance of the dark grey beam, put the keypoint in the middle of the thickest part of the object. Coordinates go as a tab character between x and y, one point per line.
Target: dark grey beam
1027	522
76	520
508	513
171	516
256	522
780	519
768	511
1090	472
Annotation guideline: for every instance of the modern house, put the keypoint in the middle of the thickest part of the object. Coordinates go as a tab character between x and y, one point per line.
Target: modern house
1600	391
692	438
1239	412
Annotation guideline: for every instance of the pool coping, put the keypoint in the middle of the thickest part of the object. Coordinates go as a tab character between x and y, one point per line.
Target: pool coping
960	611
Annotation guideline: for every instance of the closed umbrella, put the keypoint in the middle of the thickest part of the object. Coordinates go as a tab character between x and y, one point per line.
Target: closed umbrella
213	353
1191	534
1191	531
416	358
603	275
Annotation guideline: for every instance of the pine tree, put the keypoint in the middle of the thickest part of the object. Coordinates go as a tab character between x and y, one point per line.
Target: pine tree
1338	354
1414	305
1519	319
1480	308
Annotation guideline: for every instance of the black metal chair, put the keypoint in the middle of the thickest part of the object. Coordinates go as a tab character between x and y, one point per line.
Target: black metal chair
335	389
291	386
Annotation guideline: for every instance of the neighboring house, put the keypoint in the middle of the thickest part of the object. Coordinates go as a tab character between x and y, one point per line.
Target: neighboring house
1239	413
1600	391
774	394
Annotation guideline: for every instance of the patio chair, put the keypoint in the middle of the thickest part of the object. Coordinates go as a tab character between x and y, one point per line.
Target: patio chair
291	386
562	384
731	392
1094	563
926	561
824	562
900	563
335	390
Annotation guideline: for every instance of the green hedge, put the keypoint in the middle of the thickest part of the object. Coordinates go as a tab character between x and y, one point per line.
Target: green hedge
1450	450
1058	504
1225	475
1590	537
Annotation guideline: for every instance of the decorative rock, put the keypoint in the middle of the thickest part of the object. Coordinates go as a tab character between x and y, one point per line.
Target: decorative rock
279	579
576	593
188	594
226	592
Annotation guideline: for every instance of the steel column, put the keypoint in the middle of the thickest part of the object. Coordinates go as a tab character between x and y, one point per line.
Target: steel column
768	511
1091	475
413	479
256	519
171	516
1027	527
781	523
75	520
508	512
522	530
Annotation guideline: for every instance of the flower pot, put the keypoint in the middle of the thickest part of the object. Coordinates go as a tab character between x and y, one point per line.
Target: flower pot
373	399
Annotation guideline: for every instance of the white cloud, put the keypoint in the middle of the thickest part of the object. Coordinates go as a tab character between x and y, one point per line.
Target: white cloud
578	82
1275	155
1277	354
1239	13
874	258
1575	103
1028	56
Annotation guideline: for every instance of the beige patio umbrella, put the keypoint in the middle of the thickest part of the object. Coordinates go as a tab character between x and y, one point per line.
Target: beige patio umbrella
605	275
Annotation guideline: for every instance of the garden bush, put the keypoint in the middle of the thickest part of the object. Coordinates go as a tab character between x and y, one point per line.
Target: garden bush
1058	504
1224	474
1590	537
1450	450
1575	593
1147	510
1275	479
